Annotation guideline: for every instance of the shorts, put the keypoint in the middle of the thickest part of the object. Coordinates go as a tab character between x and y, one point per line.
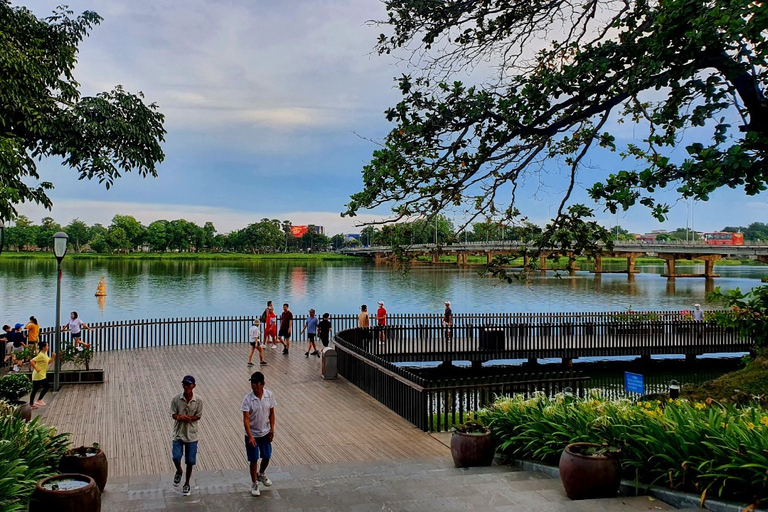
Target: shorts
263	447
324	341
190	450
17	349
76	335
284	333
311	336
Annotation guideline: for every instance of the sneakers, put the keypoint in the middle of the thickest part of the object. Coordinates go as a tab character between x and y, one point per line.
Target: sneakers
250	364
264	480
263	363
274	345
316	353
186	491
79	348
285	351
15	367
177	479
306	354
40	402
255	490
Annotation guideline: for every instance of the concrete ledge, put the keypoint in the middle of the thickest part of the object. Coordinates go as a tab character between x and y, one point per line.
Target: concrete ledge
679	500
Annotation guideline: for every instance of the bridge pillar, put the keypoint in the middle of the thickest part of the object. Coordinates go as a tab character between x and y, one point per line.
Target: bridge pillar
461	258
709	265
489	257
572	263
380	258
631	264
526	262
435	257
762	259
670	258
543	261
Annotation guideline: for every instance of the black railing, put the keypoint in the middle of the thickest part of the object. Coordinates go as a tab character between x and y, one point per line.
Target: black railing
472	337
436	405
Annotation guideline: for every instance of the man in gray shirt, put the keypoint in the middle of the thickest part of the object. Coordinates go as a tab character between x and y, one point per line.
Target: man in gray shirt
259	422
186	410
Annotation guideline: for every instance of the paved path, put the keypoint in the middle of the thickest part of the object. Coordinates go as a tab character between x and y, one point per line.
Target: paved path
402	485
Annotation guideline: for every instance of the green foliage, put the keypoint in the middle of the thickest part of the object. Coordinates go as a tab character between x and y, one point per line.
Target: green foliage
687	446
80	356
472	426
28	452
14	386
748	314
44	115
602	62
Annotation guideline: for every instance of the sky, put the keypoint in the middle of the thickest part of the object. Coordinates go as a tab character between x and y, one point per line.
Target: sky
272	110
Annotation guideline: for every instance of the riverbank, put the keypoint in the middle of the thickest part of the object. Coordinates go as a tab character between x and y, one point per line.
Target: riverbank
562	262
182	256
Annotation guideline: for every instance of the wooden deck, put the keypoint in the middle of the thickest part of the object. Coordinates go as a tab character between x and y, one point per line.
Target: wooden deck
318	421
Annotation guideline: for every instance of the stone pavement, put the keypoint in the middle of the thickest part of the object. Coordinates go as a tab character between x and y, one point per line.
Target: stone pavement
405	485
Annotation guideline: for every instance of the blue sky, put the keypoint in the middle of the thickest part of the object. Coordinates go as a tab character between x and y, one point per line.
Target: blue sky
269	107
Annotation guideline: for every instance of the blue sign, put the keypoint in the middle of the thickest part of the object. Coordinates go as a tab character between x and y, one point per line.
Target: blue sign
633	383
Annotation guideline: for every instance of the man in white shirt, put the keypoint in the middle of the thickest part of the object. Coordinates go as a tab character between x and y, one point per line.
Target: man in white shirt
259	423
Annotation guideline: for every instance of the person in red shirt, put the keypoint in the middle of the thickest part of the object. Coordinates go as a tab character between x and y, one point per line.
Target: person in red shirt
286	326
270	326
381	320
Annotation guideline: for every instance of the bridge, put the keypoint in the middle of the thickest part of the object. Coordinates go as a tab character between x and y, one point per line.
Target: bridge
668	251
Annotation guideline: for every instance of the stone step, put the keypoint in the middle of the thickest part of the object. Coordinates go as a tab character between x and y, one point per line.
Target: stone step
432	484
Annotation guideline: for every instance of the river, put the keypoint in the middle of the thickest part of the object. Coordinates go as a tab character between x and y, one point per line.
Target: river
165	289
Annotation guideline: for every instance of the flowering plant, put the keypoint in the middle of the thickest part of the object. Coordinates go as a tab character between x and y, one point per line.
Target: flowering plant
14	386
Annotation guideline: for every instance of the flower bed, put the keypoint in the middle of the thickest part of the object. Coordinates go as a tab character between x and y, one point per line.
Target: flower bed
702	447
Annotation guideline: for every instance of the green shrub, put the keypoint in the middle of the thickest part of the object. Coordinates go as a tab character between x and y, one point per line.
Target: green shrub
14	386
28	452
81	358
703	447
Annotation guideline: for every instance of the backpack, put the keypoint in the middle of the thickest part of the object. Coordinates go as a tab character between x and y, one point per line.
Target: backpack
263	317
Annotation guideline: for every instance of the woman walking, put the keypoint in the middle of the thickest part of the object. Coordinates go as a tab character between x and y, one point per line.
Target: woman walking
253	338
270	326
40	374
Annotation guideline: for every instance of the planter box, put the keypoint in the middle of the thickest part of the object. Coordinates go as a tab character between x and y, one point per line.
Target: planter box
80	376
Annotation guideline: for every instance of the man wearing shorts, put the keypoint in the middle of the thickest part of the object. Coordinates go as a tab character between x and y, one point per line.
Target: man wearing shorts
186	410
381	321
310	325
259	422
286	324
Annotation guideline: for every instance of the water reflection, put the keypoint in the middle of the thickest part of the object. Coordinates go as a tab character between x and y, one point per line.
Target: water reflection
170	288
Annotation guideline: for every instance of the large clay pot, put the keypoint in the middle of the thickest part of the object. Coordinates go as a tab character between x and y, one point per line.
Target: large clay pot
469	450
24	410
589	476
86	461
85	498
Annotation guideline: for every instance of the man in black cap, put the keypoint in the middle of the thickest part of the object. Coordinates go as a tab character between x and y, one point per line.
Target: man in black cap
259	423
186	410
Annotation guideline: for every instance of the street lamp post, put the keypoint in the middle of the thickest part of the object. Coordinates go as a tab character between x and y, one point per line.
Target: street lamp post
59	250
2	235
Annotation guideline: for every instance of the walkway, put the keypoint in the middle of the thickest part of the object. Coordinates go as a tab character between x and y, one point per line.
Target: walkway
407	485
318	421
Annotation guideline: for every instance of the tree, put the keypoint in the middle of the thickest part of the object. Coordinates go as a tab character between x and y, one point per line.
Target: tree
156	236
78	233
672	67
131	228
43	114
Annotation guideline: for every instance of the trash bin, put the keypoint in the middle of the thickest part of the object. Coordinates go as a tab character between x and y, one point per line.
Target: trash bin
330	368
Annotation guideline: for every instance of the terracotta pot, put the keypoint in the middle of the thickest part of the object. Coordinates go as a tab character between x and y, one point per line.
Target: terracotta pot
86	498
589	476
469	450
86	461
24	410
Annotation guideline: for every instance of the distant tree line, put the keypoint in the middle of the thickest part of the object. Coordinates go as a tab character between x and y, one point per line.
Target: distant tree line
125	234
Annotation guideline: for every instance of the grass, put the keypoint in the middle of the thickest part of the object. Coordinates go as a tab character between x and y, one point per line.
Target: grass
749	384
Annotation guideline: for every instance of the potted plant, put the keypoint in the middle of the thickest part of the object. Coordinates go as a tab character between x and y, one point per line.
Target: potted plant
68	492
80	357
590	470
12	388
472	445
87	460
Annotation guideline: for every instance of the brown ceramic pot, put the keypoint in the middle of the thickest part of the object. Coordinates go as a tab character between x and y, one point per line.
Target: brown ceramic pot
469	450
86	461
589	476
86	498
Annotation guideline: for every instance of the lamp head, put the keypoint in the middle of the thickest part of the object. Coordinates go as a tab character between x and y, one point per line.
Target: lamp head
60	245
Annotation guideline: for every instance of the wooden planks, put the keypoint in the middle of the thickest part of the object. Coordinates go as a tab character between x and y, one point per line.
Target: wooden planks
318	421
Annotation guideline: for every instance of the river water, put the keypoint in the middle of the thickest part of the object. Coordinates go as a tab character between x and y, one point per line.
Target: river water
166	289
